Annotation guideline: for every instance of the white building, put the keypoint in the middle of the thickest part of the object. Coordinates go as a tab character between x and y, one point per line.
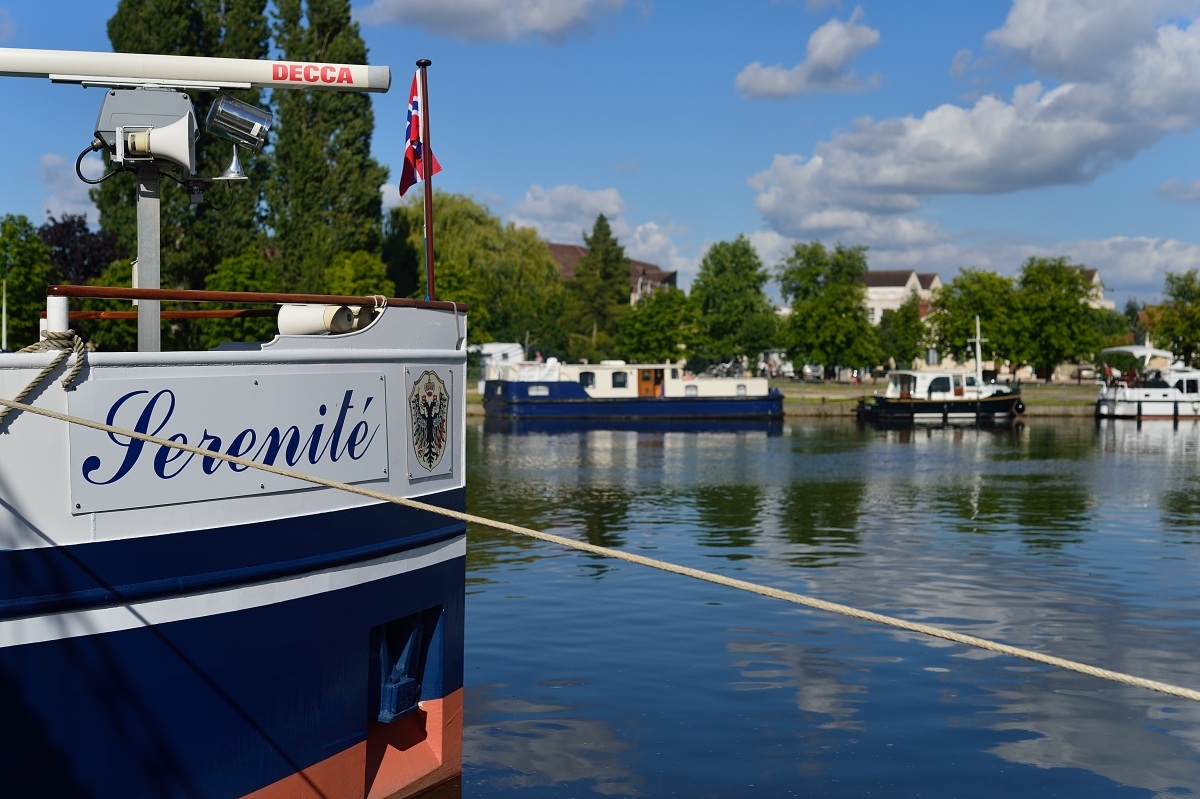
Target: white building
888	289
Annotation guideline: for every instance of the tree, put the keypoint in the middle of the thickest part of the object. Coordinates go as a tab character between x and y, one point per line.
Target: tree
599	294
117	335
505	273
975	293
1135	321
1055	322
1112	327
359	274
729	293
324	194
194	237
663	327
246	272
77	253
26	271
828	323
1176	325
902	334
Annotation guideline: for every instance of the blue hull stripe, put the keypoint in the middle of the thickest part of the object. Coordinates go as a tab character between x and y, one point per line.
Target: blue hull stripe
567	400
114	618
216	705
56	579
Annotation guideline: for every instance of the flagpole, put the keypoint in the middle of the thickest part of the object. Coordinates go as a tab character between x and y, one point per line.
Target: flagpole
426	161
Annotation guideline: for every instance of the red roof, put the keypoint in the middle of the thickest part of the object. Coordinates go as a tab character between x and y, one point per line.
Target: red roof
568	255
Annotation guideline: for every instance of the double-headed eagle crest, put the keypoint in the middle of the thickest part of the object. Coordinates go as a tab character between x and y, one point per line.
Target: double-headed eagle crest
429	406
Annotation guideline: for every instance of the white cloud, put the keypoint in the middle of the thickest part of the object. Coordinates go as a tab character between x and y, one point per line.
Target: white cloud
8	28
493	20
1129	266
65	192
1180	192
866	185
655	244
831	49
564	213
390	192
1081	39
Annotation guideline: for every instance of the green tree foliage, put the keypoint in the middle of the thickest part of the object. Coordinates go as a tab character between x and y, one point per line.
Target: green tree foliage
902	333
324	194
1056	323
505	273
358	273
115	335
663	326
1135	321
247	272
1112	327
828	323
1176	324
598	295
25	268
729	293
77	252
976	293
194	237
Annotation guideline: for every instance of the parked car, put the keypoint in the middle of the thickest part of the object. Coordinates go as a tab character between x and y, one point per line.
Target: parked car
812	371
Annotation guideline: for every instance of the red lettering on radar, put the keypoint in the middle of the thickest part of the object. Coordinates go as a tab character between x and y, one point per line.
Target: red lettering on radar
311	73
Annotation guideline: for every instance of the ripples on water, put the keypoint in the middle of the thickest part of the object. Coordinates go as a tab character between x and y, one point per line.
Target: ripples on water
589	676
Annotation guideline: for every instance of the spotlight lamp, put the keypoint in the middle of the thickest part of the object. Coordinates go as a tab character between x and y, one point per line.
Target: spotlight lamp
239	122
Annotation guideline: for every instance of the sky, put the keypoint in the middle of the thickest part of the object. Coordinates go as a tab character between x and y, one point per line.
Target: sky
939	134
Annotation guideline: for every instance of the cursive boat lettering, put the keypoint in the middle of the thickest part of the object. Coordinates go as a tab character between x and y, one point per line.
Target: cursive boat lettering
346	439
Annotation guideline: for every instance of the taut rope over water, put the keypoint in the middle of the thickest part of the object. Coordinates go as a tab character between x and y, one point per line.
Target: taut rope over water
754	588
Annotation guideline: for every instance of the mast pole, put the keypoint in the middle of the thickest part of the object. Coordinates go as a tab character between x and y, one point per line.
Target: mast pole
426	169
978	353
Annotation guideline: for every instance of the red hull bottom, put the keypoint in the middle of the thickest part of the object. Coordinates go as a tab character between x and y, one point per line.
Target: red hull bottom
398	760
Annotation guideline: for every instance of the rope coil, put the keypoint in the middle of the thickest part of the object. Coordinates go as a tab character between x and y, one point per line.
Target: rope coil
65	342
743	585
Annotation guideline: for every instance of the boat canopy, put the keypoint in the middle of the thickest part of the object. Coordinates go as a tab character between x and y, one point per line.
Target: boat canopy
1140	351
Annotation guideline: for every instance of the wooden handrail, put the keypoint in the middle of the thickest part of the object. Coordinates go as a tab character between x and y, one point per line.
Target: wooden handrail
216	313
189	295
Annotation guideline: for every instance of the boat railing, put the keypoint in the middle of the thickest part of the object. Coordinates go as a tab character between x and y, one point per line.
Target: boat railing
298	314
245	297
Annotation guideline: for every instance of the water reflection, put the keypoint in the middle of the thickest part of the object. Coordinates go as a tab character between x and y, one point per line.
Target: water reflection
523	745
1065	536
822	522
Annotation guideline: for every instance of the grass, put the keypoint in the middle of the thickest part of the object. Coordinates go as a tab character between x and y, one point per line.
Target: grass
800	394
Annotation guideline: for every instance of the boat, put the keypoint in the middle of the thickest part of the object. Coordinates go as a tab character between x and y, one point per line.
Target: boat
174	623
942	396
614	389
1159	387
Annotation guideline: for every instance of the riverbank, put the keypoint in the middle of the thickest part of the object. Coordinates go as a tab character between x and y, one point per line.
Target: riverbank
837	399
802	398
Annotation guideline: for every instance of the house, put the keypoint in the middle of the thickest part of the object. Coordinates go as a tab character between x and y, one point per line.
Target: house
888	289
644	277
1096	297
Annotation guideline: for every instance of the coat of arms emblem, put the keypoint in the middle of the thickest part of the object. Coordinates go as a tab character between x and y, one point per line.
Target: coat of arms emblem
429	407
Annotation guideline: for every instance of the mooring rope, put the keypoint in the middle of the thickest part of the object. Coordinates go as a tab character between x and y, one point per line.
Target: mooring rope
641	560
65	342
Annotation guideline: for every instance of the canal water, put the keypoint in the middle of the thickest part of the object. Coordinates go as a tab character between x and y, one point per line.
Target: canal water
588	676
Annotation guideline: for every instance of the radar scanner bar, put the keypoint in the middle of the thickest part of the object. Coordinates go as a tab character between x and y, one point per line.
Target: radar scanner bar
194	72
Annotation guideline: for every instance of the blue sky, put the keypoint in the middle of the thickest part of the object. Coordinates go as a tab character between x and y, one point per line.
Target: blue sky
939	133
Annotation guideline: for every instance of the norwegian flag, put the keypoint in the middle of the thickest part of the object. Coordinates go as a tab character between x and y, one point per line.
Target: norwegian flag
414	146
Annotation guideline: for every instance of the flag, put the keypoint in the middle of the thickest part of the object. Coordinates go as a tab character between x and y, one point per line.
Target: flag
414	145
